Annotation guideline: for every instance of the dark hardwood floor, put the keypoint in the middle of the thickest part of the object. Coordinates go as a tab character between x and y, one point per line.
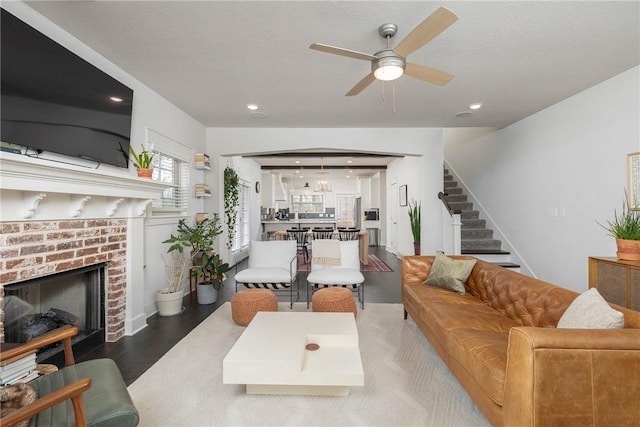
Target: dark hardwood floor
135	354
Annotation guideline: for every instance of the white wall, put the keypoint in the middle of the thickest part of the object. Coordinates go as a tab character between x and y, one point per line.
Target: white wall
423	178
546	179
150	110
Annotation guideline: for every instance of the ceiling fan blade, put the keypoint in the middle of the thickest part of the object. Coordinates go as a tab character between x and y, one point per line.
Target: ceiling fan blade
362	84
428	74
343	52
426	31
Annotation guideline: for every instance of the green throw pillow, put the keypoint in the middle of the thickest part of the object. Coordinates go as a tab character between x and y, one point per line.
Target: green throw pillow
449	274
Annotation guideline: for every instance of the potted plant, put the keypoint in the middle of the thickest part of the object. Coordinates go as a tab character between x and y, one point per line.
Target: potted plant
142	161
213	270
626	230
169	299
414	221
198	240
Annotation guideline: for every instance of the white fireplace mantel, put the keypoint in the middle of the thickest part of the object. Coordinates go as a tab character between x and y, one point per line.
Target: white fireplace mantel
34	188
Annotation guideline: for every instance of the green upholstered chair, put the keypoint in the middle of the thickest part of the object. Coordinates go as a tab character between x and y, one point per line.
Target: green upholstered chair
90	393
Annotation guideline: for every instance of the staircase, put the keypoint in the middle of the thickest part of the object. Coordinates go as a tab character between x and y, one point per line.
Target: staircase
476	239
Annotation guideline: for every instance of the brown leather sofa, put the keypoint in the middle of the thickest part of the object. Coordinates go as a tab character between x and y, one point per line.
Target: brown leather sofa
501	343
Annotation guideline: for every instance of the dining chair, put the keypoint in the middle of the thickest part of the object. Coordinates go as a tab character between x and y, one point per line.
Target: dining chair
349	233
322	233
301	236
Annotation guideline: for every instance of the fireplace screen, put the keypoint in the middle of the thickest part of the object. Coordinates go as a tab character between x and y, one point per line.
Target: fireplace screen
36	306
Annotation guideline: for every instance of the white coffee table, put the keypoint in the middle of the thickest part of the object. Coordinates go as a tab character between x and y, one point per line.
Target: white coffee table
270	356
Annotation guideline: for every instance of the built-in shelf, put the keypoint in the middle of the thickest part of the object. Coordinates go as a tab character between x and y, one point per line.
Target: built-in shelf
202	162
202	190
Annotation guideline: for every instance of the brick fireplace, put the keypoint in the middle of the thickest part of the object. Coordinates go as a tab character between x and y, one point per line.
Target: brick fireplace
57	217
40	248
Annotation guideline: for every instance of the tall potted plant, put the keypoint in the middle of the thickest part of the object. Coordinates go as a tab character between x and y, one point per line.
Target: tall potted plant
198	240
169	299
625	228
415	215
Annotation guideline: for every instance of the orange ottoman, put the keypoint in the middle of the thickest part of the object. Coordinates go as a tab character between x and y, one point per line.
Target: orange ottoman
245	304
334	299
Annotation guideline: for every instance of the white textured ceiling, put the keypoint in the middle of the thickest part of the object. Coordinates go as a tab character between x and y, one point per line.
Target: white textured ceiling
211	58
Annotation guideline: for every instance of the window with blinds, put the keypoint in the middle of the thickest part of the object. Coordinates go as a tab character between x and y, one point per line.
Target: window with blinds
241	239
171	165
172	171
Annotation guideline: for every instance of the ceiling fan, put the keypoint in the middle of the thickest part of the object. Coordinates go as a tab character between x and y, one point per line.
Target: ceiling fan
389	64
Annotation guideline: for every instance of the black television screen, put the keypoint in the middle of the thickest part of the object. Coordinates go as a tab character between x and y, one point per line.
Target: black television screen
53	100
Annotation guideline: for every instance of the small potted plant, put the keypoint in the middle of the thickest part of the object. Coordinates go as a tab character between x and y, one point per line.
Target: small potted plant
142	161
198	240
415	216
625	228
213	271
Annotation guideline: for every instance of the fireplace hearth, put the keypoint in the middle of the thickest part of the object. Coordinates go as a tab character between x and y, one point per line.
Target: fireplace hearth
37	306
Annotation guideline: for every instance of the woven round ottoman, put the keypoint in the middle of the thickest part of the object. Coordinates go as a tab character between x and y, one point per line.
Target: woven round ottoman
245	304
334	299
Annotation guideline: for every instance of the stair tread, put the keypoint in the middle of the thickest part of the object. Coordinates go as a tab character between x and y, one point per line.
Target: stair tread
506	264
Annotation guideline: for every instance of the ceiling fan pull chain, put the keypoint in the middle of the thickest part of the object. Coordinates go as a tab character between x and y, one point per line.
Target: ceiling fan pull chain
393	95
382	95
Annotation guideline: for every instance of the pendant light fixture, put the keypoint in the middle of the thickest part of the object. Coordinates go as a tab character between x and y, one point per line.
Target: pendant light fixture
323	186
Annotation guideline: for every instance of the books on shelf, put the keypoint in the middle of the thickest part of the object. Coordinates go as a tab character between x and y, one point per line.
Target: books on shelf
202	190
203	161
201	216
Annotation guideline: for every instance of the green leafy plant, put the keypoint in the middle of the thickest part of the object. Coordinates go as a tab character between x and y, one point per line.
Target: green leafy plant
415	214
199	240
212	266
141	160
231	202
625	225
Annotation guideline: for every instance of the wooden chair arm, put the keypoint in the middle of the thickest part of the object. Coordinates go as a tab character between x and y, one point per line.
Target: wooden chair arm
61	334
72	391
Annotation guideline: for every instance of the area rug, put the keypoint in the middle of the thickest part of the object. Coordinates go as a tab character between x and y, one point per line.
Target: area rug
375	265
406	382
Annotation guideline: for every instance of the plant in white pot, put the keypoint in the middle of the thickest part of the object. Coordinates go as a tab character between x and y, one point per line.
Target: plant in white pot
169	299
198	240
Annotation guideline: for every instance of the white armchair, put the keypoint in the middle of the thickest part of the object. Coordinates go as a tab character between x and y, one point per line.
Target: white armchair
272	265
346	274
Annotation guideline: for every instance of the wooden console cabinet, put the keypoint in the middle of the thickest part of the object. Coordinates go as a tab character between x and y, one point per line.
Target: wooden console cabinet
618	281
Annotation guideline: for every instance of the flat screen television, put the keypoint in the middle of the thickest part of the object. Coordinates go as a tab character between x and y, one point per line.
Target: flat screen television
55	101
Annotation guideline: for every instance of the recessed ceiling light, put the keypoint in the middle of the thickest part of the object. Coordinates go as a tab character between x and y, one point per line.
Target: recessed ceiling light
297	162
115	99
252	107
349	161
475	106
348	176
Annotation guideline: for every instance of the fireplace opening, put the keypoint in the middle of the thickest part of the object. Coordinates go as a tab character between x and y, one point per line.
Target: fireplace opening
37	306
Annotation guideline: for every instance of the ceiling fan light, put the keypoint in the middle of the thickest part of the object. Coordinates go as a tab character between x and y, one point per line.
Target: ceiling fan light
389	66
388	73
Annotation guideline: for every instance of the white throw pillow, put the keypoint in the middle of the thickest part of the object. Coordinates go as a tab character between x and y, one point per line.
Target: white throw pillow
590	311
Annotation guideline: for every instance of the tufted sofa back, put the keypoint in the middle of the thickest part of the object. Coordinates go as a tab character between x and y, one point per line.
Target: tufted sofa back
527	300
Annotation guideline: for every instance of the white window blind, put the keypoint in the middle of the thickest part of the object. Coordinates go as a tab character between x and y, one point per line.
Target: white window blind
241	239
171	165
